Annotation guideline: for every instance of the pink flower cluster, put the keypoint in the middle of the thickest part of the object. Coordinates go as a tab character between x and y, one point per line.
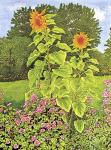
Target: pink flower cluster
52	125
41	106
35	141
22	119
107	101
107	82
31	101
25	118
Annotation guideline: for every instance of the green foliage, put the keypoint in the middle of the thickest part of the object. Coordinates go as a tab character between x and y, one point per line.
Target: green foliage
14	57
96	135
74	18
101	60
69	80
20	21
107	58
79	125
38	126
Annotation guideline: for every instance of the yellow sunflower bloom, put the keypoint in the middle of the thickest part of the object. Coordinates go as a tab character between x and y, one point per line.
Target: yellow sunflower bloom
81	40
38	21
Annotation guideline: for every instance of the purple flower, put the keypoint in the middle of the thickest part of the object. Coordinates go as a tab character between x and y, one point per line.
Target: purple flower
47	126
106	102
17	121
43	103
18	112
9	104
51	110
37	143
107	82
7	142
21	130
42	130
33	98
25	118
59	123
33	138
38	110
62	137
54	125
15	146
26	104
106	93
53	101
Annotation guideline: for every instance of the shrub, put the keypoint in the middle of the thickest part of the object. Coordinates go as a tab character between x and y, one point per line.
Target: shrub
55	75
14	54
38	125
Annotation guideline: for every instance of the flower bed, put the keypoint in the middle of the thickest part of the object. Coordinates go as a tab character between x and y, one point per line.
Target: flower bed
38	125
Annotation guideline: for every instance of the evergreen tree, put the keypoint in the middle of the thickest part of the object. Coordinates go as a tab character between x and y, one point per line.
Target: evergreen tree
20	21
74	18
108	54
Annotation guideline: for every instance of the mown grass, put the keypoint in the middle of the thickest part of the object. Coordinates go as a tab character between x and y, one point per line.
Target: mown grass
15	91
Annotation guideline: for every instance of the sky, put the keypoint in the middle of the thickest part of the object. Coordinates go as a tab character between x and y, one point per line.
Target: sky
102	10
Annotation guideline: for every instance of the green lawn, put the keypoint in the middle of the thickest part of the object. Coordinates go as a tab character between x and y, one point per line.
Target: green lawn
15	91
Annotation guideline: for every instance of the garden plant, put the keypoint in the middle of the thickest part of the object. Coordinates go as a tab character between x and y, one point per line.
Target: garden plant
62	108
61	71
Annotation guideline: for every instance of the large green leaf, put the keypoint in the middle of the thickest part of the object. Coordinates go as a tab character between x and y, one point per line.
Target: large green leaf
32	57
50	42
94	68
63	46
58	30
38	69
64	71
60	92
49	16
55	36
79	125
94	61
79	108
42	48
89	75
38	38
65	103
73	62
86	55
31	77
50	22
80	65
58	57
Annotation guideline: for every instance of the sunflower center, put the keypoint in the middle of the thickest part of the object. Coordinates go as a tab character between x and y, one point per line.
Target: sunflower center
38	21
80	40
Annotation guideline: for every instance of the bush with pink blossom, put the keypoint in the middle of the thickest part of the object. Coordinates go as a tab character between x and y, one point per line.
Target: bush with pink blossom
107	101
38	125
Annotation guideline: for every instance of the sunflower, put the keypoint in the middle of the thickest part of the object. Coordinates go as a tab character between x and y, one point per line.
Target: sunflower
81	40
38	21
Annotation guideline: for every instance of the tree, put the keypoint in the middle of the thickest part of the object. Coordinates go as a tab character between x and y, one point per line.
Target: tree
20	21
74	18
107	54
100	58
14	53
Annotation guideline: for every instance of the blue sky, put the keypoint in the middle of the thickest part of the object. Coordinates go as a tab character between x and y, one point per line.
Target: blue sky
102	9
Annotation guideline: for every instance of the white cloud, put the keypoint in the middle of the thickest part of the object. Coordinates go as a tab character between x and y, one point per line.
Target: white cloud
15	6
100	14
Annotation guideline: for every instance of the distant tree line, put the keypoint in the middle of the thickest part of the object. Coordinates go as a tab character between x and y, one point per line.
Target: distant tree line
73	18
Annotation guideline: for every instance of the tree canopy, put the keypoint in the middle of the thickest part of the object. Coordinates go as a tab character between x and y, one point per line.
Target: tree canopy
73	18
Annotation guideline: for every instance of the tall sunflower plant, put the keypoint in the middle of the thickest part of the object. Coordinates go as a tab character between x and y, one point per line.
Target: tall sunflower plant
61	71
